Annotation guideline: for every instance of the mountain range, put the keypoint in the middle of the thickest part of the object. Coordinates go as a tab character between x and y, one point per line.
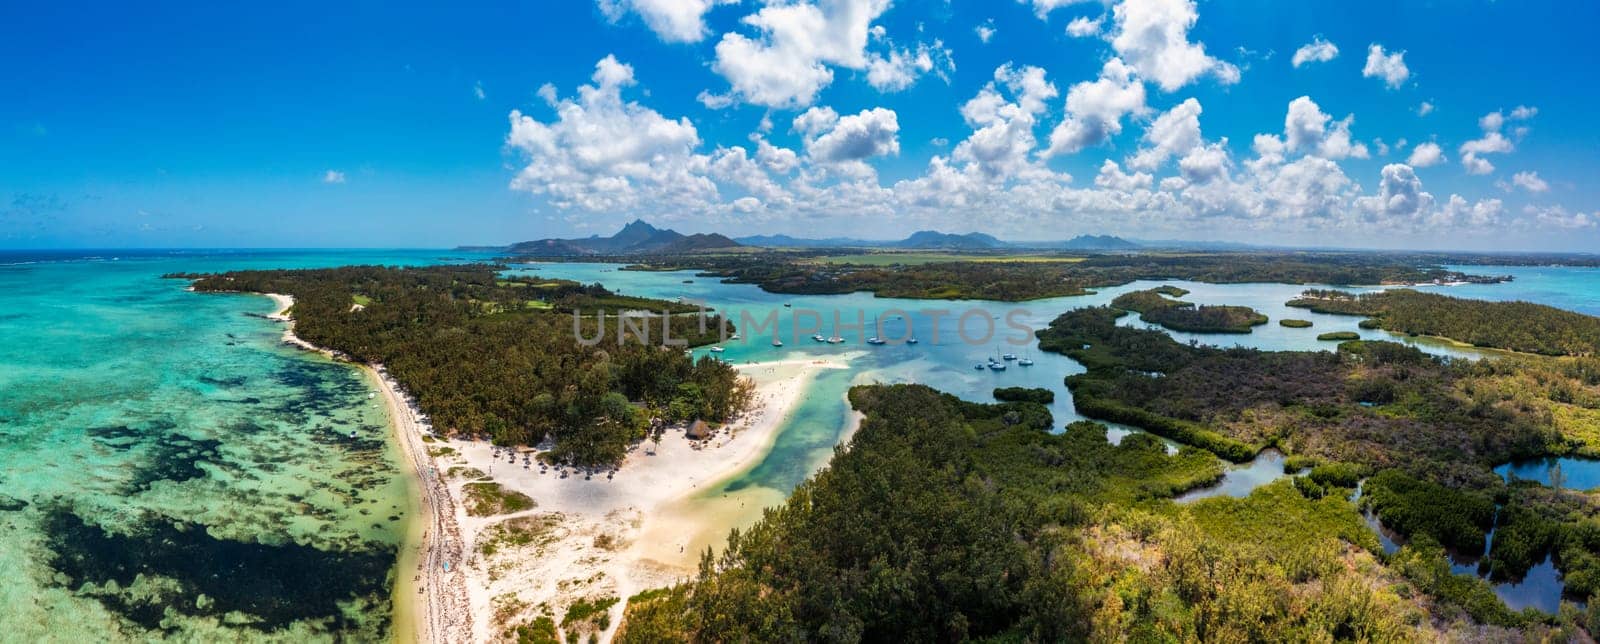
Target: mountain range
933	239
641	238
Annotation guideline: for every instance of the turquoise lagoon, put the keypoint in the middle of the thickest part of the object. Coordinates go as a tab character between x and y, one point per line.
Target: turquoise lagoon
169	469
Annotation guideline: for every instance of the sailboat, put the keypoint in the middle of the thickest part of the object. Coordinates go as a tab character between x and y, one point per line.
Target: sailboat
875	339
716	349
996	365
776	342
1025	362
835	339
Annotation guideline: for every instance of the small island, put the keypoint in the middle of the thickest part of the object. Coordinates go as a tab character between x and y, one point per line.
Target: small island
1024	394
1294	323
1515	326
1339	336
1154	306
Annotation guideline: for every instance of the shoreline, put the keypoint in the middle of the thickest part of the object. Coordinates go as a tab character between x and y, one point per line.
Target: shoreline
438	606
605	537
608	537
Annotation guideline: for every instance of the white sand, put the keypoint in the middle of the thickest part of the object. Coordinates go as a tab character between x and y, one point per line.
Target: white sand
285	303
437	610
648	543
605	537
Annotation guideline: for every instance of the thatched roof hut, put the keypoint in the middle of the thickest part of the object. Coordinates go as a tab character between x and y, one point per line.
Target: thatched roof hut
698	430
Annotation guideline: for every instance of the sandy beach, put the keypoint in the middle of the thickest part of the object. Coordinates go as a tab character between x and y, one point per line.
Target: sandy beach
431	589
611	537
587	537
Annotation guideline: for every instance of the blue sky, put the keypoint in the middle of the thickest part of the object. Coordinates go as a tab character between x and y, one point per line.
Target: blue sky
371	124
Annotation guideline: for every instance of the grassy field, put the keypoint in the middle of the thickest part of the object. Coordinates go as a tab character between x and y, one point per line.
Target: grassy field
912	259
526	284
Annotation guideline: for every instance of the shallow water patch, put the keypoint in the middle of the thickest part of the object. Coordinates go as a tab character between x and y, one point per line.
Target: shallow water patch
1564	473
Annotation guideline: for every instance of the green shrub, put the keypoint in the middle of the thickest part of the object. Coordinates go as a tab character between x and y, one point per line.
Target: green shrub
539	631
1410	506
1338	474
1298	462
488	499
1025	394
1423	561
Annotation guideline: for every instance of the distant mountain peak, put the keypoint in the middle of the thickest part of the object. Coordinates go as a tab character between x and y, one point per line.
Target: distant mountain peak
638	237
1098	242
936	239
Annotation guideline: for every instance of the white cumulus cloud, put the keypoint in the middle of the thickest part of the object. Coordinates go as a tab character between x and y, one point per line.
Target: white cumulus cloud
985	31
1111	177
601	153
787	62
1390	67
1083	27
1529	181
830	138
1205	164
901	67
1558	217
672	20
1317	51
1492	141
333	176
1400	194
1426	155
1306	129
1457	211
1002	130
1153	37
1095	109
1042	8
1173	133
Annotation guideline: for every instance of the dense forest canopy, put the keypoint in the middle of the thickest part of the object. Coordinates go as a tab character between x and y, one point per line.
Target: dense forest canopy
1155	307
950	521
1518	326
1430	428
1013	278
488	355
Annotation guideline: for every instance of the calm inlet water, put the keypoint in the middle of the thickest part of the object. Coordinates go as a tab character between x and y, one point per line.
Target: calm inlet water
943	357
168	469
948	363
1565	473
